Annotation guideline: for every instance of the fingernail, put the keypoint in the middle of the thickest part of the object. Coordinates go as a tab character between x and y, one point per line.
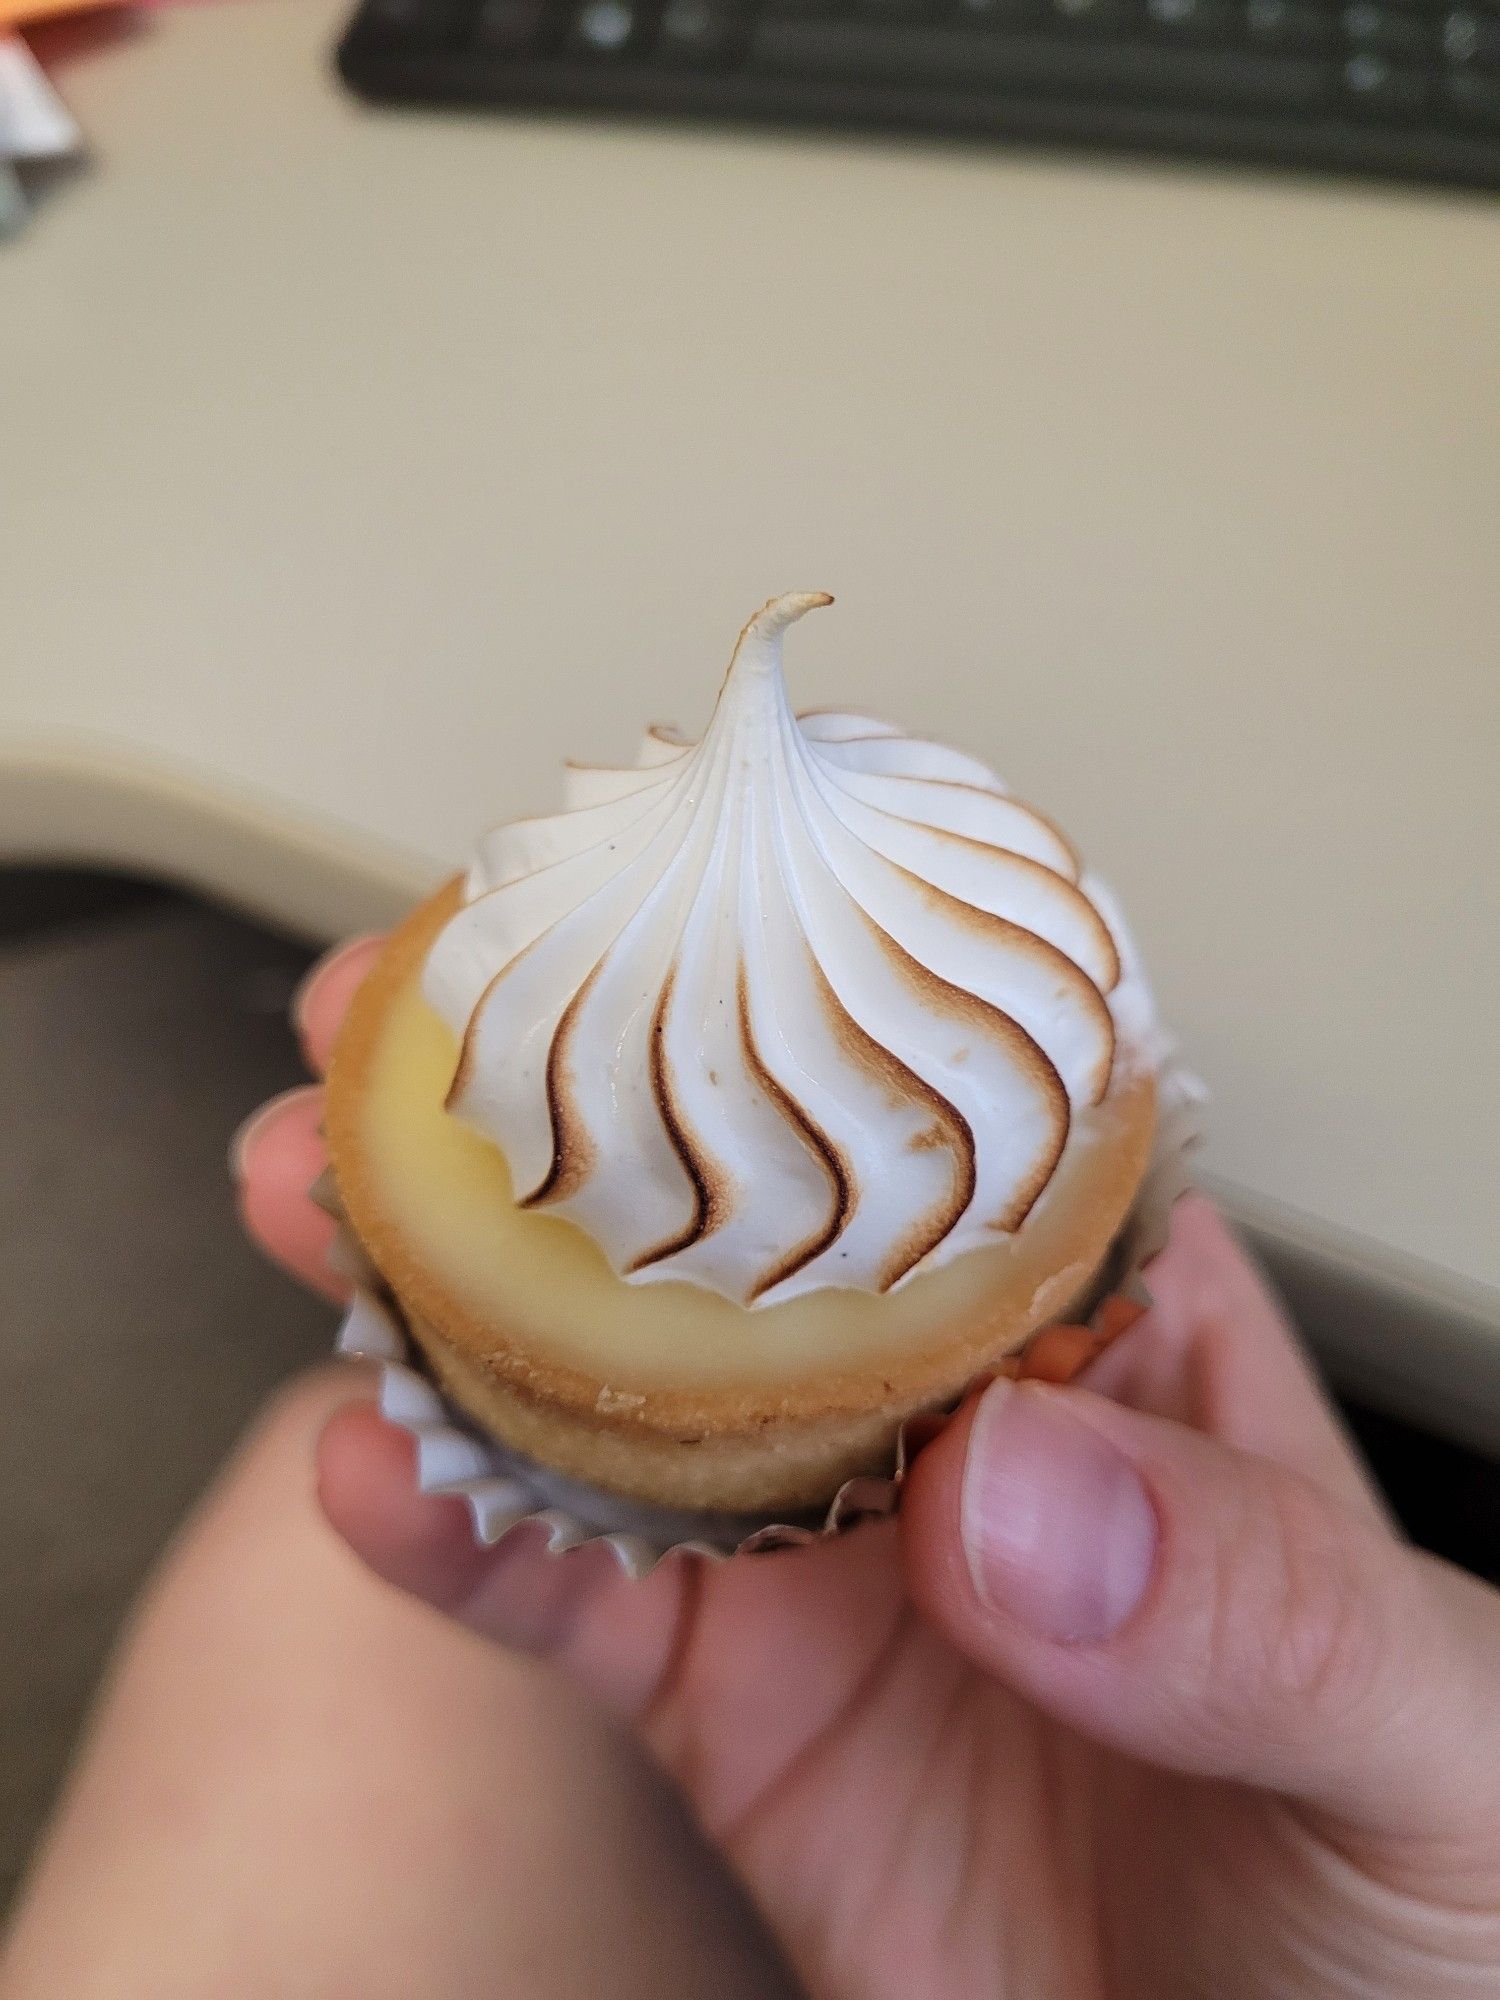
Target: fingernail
1058	1529
248	1131
312	979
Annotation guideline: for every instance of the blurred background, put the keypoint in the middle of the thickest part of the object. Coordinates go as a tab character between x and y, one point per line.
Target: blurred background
375	437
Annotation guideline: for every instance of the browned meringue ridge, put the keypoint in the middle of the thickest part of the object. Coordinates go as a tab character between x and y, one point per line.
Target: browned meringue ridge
807	1003
670	1393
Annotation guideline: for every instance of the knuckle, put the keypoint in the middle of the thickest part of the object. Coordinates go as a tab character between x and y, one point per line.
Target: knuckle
1298	1629
299	1407
1321	1654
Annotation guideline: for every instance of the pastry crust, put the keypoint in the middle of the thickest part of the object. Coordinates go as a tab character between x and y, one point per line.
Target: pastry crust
774	1440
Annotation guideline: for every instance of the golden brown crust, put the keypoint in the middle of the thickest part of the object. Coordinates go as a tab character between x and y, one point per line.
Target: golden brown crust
746	1471
731	1445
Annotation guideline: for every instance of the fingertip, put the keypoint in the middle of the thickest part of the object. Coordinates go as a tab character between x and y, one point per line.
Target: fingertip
289	1121
422	1543
363	1462
1194	1210
276	1157
516	1592
1203	1264
294	1235
322	1000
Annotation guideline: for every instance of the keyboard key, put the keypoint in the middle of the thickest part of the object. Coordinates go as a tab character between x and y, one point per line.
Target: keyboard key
1001	13
893	10
1194	20
1104	16
1472	39
603	28
1039	64
511	27
1291	27
1475	98
1385	31
1377	89
705	33
421	20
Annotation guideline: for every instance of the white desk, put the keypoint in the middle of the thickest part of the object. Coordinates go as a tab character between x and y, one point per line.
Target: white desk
360	466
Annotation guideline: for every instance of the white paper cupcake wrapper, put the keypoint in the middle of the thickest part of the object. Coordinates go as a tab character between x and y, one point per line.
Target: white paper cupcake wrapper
503	1488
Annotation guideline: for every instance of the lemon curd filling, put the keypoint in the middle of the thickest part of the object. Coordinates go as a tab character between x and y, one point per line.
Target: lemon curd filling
444	1193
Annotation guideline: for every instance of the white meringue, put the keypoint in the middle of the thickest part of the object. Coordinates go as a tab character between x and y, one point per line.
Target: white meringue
808	1003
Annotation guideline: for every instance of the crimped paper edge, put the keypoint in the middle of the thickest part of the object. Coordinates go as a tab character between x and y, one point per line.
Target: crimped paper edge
503	1489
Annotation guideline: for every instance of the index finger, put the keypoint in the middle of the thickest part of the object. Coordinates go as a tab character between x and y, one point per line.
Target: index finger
322	1000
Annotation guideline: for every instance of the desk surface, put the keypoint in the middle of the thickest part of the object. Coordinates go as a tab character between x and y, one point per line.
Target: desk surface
360	466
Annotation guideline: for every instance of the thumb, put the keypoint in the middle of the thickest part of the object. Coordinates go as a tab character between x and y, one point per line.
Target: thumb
1206	1610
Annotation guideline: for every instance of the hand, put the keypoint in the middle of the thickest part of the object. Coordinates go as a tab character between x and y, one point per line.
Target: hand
1142	1694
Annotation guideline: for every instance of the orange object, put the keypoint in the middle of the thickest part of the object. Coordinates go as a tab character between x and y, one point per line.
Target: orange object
1058	1353
20	13
1117	1315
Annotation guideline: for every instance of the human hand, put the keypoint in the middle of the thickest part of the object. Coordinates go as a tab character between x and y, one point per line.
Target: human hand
1141	1695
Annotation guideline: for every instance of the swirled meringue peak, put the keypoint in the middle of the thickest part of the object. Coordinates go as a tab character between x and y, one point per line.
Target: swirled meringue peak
807	1003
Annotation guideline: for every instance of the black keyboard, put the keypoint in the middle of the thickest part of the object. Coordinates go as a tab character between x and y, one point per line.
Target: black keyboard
1409	90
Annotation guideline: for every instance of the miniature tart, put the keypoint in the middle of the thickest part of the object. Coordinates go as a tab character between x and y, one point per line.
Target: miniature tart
775	1090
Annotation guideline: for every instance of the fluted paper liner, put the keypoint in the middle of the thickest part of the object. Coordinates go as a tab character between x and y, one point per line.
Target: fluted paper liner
503	1488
